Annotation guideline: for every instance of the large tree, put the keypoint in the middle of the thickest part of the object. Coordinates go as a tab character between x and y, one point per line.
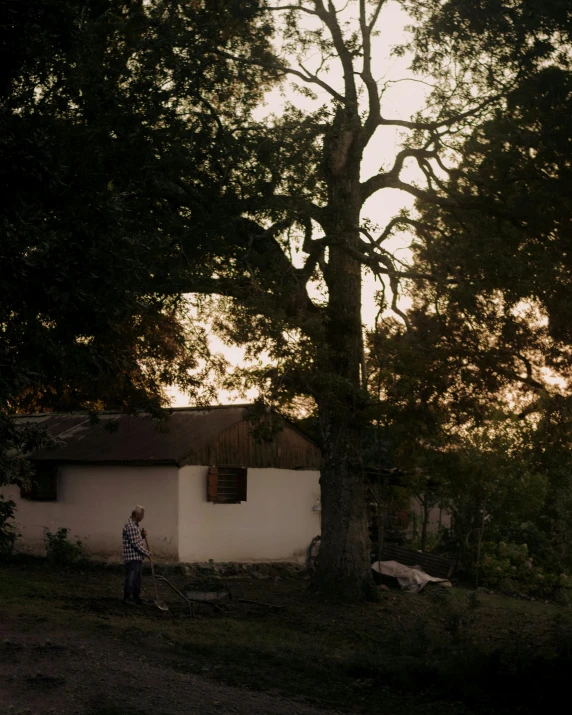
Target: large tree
294	278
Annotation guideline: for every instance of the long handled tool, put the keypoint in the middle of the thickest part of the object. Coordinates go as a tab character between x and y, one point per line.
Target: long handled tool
176	590
161	605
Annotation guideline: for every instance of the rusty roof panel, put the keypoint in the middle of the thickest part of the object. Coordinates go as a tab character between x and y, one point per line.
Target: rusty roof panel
188	436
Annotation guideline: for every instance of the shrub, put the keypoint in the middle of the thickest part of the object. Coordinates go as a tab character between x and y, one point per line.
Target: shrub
509	568
8	532
60	550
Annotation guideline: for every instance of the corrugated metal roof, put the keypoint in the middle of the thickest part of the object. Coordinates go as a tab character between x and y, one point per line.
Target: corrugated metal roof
119	438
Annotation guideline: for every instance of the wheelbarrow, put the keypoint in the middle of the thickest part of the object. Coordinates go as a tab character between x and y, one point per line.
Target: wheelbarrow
209	598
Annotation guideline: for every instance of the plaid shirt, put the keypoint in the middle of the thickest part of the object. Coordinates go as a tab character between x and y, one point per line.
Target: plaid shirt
133	549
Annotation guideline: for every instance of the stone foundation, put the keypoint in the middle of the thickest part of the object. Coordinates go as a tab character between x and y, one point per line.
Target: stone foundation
280	569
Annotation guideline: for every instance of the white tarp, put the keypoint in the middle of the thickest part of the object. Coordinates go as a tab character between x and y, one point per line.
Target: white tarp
410	579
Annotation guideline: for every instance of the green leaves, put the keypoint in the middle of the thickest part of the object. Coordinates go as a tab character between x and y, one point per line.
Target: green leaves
475	387
111	165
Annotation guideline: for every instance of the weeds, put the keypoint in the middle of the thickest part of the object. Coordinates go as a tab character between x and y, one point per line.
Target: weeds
60	550
8	532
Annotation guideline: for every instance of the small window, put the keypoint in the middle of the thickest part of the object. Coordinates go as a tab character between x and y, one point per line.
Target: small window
226	485
44	486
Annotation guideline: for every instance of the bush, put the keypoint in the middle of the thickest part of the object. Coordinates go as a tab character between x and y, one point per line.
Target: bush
509	568
60	550
8	532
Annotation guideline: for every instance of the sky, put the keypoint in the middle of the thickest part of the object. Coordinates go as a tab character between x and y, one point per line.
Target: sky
401	100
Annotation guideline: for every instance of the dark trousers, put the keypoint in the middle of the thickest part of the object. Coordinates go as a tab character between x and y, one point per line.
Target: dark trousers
132	578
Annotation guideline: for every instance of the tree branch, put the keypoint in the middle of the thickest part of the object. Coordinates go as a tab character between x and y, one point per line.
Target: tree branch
398	220
424	195
374	113
314	79
394	276
429	172
300	206
529	380
329	18
374	255
315	249
375	16
277	67
225	287
383	180
438	124
293	7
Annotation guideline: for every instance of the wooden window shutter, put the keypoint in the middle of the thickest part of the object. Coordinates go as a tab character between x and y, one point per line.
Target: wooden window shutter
241	484
212	484
226	485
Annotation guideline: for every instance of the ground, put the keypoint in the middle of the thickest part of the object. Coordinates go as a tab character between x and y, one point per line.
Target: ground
52	670
68	645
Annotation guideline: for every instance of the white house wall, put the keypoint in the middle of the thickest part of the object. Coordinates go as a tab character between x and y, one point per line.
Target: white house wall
95	501
277	521
438	518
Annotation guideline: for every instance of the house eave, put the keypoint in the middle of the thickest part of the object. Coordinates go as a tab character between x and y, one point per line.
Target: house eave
110	462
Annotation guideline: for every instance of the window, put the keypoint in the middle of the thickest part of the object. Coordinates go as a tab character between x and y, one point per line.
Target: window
44	486
226	485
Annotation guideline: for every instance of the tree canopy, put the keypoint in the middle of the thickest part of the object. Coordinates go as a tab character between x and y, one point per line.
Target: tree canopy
311	198
106	113
474	379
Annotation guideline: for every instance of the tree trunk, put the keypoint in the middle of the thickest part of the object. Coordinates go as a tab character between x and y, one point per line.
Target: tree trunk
425	505
343	567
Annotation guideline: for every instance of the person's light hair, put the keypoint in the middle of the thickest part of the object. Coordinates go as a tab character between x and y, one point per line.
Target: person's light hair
138	510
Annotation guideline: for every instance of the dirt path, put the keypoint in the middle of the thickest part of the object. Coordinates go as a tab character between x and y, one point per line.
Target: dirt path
48	671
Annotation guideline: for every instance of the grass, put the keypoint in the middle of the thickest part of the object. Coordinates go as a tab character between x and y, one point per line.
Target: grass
117	710
440	649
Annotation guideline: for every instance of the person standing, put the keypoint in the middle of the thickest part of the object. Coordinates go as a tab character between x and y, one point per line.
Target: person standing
133	554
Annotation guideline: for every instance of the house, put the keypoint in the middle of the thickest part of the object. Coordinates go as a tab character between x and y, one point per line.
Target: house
211	490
